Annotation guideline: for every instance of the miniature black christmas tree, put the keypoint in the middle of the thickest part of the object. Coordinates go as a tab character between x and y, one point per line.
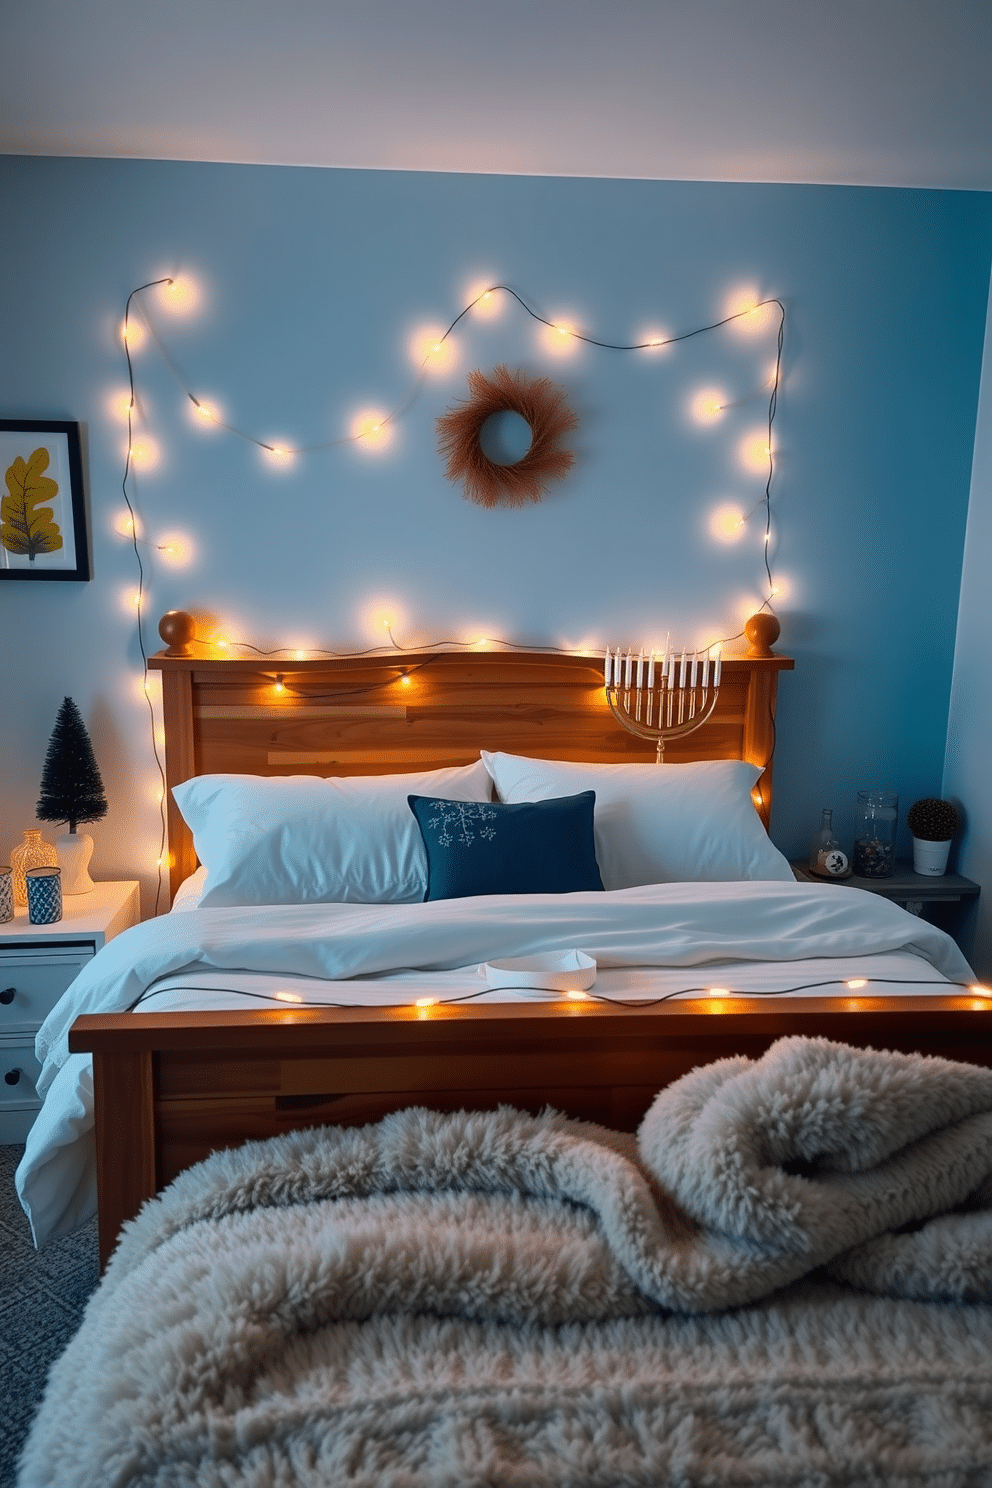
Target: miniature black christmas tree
71	788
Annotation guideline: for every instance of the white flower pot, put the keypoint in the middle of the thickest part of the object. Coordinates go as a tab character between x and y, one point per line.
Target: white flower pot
75	850
930	857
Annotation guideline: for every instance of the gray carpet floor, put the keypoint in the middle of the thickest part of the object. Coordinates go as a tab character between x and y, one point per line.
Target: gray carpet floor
42	1296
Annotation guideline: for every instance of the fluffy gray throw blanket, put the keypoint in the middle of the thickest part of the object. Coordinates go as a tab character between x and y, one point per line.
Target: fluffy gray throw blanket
497	1299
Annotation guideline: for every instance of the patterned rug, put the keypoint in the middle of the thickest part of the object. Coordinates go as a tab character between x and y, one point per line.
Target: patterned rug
42	1296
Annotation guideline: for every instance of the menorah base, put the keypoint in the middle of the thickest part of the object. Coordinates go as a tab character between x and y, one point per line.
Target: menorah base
661	713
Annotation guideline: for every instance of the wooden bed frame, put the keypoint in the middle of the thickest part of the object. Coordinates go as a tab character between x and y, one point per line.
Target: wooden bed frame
172	1087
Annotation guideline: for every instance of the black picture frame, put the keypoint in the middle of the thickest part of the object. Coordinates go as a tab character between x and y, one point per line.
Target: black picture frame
65	510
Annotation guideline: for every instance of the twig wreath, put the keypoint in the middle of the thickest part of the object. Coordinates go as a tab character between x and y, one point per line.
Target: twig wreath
544	407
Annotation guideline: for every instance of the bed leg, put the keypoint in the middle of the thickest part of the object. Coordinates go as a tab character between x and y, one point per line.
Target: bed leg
126	1165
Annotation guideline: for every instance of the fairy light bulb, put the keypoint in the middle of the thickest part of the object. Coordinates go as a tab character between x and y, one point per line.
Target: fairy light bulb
856	982
279	685
754	452
707	405
749	314
287	997
370	429
179	294
431	349
133	333
482	297
121	405
727	523
277	454
559	338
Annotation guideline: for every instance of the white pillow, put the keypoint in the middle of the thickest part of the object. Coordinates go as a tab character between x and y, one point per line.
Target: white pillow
301	839
657	823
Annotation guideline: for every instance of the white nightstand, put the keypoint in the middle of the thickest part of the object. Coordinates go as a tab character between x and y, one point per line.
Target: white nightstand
37	963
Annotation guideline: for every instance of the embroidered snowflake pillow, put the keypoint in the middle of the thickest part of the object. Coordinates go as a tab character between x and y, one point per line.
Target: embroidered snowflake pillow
535	847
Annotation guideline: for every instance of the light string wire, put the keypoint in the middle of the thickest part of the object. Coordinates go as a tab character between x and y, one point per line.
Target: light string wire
724	995
655	344
139	600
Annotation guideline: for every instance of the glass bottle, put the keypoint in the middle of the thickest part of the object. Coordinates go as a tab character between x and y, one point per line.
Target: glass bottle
875	834
31	852
825	857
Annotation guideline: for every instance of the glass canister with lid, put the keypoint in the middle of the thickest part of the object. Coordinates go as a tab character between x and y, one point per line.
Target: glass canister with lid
875	833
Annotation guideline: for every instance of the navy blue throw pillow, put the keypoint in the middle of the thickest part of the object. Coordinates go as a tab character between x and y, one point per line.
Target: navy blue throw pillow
483	847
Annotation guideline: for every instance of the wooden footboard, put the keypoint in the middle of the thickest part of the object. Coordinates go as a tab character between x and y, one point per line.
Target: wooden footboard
172	1087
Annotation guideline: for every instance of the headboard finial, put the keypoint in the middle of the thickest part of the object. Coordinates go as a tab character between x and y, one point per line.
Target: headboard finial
176	628
762	631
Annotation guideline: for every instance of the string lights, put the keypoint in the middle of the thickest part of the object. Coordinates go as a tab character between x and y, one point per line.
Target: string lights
710	993
432	349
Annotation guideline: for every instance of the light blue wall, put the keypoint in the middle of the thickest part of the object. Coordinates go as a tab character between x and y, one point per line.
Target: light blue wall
967	772
311	284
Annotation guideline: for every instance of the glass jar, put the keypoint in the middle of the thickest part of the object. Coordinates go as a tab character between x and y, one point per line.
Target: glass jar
825	857
875	834
31	852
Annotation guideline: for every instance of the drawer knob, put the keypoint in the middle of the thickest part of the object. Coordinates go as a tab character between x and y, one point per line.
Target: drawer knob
12	1077
7	995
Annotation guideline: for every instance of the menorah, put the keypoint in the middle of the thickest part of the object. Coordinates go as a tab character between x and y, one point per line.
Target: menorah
661	709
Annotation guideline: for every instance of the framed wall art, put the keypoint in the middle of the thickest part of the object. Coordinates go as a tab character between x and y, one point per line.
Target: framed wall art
42	509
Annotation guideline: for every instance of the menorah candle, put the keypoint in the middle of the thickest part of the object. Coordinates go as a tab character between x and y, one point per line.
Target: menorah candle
640	669
682	669
627	668
706	668
692	673
671	669
651	670
716	668
608	667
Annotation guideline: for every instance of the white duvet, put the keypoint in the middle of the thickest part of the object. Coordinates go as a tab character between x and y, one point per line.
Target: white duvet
661	940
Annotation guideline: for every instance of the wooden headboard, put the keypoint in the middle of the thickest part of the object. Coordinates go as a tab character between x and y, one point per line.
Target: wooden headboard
416	710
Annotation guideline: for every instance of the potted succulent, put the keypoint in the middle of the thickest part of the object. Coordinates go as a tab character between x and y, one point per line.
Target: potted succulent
933	823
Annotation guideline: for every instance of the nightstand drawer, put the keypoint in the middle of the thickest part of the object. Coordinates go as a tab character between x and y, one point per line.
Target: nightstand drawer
19	1071
32	981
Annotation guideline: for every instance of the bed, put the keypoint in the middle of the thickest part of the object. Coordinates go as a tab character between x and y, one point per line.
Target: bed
171	1086
378	1258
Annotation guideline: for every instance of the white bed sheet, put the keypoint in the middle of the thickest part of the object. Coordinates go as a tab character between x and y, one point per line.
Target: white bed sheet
56	1178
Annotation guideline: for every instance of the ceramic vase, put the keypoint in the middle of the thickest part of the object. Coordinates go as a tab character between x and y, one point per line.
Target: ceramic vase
930	857
75	850
31	852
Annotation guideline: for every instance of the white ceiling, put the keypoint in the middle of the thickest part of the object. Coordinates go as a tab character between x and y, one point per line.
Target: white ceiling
880	92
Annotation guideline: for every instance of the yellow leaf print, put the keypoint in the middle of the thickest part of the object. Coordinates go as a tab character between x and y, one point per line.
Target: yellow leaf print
26	526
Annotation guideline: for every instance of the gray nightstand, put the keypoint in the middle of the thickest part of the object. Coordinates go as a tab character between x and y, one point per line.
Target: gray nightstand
942	899
37	963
